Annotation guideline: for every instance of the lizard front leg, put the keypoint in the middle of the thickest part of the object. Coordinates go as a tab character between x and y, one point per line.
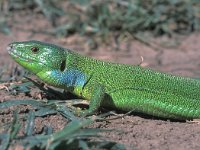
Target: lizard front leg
97	95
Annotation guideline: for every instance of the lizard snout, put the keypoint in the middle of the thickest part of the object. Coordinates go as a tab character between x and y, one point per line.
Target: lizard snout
10	47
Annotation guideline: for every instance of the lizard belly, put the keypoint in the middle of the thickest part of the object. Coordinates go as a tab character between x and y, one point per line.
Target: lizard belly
157	104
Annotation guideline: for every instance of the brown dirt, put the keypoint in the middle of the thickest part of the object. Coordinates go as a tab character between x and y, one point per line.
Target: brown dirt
138	131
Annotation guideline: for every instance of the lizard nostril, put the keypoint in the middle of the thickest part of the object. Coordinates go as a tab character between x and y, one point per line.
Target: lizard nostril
10	47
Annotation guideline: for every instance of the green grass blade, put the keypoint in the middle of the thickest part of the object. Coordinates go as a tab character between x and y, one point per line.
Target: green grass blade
15	127
70	129
44	112
64	111
4	140
10	103
83	145
30	124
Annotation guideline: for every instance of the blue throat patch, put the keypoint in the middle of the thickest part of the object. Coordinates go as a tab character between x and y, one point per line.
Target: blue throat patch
69	78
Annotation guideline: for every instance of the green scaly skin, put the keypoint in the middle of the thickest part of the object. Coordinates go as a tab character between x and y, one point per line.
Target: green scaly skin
106	84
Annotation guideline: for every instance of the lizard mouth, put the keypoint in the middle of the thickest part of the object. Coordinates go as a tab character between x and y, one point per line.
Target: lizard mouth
16	55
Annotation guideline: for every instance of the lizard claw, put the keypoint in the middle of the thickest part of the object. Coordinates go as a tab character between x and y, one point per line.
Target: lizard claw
82	113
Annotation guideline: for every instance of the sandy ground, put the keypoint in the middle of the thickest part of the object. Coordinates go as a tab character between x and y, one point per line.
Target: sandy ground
179	56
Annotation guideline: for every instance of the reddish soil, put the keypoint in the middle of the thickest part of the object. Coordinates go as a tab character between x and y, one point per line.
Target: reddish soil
179	55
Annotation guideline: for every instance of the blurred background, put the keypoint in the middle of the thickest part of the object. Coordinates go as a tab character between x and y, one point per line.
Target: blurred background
97	17
163	32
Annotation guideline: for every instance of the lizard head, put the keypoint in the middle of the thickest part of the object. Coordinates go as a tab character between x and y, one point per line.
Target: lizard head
38	57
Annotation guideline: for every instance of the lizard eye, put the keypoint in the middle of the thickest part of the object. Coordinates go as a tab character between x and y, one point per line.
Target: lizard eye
63	65
35	49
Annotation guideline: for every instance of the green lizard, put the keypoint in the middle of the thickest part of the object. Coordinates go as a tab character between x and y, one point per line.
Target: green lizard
117	86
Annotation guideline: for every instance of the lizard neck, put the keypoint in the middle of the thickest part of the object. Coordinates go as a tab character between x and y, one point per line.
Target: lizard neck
71	79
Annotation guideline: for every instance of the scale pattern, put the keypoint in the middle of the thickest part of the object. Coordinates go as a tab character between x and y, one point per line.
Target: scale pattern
127	87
